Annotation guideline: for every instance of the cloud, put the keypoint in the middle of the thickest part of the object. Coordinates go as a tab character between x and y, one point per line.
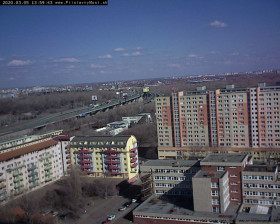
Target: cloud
12	78
107	56
234	54
192	56
218	24
139	48
104	72
71	66
2	59
174	65
71	60
97	66
119	49
134	54
19	63
215	52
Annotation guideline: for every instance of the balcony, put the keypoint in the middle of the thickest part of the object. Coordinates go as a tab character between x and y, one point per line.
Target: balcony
82	151
133	150
17	186
112	167
84	161
31	168
133	155
112	162
84	156
48	179
133	160
86	166
110	151
47	168
111	157
134	165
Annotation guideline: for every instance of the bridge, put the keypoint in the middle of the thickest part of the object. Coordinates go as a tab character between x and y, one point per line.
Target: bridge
77	112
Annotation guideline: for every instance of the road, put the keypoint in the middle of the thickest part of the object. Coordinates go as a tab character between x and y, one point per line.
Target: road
104	208
41	122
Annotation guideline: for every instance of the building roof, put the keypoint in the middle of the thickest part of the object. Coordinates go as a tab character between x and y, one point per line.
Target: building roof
171	163
28	149
159	208
209	174
260	168
219	159
100	138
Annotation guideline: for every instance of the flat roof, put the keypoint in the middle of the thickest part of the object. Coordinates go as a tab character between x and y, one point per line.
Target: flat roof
100	138
209	174
156	207
260	168
31	148
171	163
224	159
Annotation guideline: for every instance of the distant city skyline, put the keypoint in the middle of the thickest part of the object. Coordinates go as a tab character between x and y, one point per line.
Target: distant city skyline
127	40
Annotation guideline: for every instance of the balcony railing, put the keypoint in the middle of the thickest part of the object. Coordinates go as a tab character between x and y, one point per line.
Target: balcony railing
133	150
133	160
112	162
111	157
134	165
133	155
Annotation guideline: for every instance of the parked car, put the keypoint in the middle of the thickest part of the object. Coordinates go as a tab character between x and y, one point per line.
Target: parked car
122	208
133	200
111	217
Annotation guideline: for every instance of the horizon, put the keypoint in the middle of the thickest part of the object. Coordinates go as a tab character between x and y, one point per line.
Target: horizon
136	40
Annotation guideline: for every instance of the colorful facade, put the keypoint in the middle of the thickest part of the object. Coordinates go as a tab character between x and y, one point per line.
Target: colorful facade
230	118
106	156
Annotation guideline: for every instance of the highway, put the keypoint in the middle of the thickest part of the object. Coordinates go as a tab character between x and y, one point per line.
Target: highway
53	118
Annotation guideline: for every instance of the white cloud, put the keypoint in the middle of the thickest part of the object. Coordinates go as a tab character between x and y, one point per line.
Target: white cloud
119	49
139	48
234	54
215	52
134	54
97	66
174	65
19	63
192	56
107	56
67	60
71	66
1	59
218	24
104	72
12	78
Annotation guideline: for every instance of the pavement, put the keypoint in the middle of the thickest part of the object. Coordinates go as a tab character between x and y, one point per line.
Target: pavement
102	208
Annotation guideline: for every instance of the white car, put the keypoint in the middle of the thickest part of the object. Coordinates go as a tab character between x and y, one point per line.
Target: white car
133	200
111	217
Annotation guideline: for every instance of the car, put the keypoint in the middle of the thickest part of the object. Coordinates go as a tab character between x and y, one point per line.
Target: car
111	217
122	208
127	204
133	200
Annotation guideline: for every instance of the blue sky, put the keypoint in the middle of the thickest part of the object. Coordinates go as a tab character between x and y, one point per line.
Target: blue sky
136	39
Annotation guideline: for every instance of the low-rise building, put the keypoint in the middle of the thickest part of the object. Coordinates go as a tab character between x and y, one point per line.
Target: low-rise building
171	178
260	186
106	156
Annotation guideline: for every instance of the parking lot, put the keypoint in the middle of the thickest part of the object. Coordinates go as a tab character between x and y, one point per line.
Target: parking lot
99	211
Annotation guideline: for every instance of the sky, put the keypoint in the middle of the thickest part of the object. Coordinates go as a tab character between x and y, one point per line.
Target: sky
136	39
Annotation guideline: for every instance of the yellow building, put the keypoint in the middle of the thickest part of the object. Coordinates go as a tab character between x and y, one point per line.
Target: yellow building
106	156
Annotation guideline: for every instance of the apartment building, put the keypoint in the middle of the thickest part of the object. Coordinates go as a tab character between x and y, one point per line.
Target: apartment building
30	167
211	191
170	178
230	117
260	186
105	156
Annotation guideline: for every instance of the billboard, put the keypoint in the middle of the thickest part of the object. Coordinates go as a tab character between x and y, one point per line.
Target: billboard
146	89
94	98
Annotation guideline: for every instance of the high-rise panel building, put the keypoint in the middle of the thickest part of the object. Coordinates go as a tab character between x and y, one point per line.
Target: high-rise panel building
230	117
